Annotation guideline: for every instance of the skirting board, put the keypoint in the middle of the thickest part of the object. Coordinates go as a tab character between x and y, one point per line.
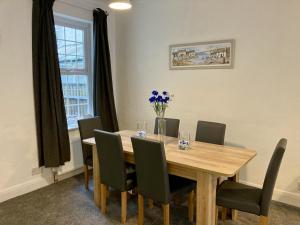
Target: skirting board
279	195
23	188
33	184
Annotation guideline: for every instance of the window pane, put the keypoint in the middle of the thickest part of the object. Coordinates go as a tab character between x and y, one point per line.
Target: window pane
70	34
80	51
80	63
60	32
61	47
79	36
72	44
76	98
71	62
62	61
70	48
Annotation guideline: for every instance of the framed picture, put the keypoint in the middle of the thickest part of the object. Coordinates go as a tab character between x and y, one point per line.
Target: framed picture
202	55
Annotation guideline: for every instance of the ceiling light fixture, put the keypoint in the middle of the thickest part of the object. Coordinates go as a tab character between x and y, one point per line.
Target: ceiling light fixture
120	4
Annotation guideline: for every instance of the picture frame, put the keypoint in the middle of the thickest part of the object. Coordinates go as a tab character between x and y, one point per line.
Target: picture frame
202	55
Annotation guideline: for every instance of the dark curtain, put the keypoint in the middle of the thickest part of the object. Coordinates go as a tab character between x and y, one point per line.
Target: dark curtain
104	103
51	123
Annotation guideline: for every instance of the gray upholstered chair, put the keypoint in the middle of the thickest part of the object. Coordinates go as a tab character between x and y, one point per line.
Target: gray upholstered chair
172	127
250	199
86	130
211	132
113	169
153	179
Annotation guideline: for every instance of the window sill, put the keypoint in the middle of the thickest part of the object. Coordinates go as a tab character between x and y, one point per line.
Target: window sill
70	129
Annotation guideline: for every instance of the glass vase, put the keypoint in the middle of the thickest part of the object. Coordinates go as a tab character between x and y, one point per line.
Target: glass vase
161	128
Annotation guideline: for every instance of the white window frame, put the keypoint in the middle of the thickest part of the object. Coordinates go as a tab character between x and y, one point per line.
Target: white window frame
86	26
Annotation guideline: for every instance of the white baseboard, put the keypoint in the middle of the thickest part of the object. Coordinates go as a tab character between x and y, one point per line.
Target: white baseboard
23	188
279	195
34	184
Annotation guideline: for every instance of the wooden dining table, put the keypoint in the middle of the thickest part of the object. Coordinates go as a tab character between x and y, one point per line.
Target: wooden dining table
203	162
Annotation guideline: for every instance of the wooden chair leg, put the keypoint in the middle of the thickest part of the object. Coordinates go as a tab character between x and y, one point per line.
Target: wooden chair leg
224	214
166	209
86	176
150	203
234	215
123	207
263	220
191	206
140	210
103	198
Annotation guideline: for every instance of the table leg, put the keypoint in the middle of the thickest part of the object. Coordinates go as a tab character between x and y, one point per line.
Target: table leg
96	177
206	199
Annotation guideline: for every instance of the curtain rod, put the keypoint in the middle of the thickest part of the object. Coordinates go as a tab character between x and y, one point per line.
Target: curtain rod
106	12
81	7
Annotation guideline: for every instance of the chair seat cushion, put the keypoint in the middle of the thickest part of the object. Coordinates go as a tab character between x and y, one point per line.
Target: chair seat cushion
239	196
179	185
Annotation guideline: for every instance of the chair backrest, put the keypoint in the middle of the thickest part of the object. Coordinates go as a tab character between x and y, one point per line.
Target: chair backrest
211	132
172	127
111	159
87	127
151	169
271	176
86	130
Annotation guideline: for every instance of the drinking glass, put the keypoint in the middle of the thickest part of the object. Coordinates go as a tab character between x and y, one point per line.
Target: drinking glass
142	128
184	140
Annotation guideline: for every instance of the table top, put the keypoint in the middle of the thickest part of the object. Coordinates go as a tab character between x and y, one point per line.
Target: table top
215	159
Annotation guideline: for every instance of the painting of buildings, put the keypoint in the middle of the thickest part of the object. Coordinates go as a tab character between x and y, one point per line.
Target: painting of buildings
216	54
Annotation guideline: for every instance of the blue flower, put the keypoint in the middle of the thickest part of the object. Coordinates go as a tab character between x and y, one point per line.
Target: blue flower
159	98
165	93
152	99
167	99
155	93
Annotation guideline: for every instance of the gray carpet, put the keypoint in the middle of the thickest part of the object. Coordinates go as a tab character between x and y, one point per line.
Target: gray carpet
68	203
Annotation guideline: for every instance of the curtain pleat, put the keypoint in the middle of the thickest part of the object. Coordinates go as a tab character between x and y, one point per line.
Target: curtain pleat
51	123
104	103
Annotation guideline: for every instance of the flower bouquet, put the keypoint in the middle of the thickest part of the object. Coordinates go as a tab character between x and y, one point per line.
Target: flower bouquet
160	103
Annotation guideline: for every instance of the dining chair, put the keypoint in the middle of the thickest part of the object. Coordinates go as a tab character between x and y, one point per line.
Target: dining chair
172	127
113	170
213	133
153	179
86	130
210	132
250	199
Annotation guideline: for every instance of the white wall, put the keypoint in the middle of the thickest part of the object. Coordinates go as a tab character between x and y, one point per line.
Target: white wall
18	147
259	99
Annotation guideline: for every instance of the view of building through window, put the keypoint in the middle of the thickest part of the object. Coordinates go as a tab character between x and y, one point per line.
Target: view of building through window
72	44
75	89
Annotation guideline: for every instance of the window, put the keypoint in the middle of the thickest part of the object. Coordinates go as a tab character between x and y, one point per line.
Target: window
74	51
